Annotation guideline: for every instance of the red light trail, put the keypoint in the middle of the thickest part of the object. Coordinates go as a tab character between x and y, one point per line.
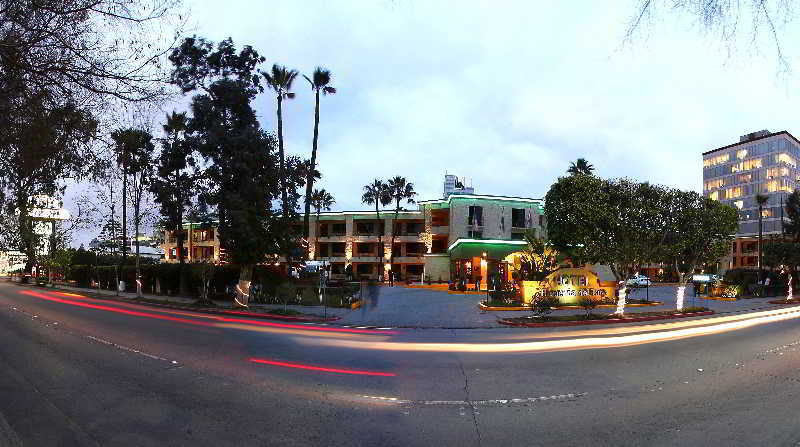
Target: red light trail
322	369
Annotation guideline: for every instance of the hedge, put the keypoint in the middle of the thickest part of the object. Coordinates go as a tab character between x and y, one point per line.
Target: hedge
269	285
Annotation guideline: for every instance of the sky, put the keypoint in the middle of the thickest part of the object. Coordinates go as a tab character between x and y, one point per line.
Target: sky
506	94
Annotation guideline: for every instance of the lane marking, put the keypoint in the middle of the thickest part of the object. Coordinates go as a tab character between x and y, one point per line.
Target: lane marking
482	402
129	349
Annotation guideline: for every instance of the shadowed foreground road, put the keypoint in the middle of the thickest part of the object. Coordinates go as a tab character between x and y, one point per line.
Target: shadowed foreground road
80	371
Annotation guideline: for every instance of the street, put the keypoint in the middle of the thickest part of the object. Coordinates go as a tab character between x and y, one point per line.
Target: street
81	371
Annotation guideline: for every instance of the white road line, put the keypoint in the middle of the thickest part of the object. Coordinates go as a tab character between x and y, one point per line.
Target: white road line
513	401
129	349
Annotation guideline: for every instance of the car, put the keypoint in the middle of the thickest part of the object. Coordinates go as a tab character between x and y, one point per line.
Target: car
638	281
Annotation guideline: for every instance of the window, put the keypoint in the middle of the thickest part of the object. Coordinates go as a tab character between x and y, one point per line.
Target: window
414	269
323	230
517	236
475	216
323	250
713	161
518	218
337	268
475	234
413	228
415	249
396	249
339	229
439	245
365	228
711	184
365	249
338	249
364	269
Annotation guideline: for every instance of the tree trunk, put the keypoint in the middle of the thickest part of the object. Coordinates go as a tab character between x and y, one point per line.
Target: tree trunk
789	295
380	238
623	292
136	236
243	287
316	237
391	249
282	173
310	178
182	286
760	219
125	245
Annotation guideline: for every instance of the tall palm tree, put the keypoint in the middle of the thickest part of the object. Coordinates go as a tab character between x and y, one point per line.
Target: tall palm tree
399	189
580	166
320	200
377	193
280	80
761	200
319	83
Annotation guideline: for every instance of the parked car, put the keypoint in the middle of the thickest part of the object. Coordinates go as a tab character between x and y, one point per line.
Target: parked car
638	281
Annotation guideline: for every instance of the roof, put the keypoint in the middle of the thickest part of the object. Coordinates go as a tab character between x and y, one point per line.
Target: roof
483	196
783	132
494	248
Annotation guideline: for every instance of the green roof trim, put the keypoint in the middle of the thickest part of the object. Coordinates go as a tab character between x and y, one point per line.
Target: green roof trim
494	248
521	202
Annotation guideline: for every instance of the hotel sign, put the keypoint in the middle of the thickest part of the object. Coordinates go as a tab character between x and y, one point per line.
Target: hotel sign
569	285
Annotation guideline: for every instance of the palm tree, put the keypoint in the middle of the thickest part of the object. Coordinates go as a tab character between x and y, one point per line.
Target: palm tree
399	189
320	200
319	83
377	193
280	81
581	166
761	200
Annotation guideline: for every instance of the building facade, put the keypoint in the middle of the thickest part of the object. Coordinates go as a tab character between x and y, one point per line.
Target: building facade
762	163
200	244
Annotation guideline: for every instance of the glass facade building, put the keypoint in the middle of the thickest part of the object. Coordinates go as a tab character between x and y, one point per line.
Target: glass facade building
760	163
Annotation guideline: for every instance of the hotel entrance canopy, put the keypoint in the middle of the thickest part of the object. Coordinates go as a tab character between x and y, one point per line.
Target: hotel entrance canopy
494	248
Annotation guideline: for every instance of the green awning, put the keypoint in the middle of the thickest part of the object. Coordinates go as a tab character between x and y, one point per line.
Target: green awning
494	248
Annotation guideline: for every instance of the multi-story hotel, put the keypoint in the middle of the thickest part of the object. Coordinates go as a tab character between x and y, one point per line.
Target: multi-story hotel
760	163
463	235
200	244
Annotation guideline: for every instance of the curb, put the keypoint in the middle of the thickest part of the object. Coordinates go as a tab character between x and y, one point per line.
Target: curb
611	321
205	310
607	306
785	302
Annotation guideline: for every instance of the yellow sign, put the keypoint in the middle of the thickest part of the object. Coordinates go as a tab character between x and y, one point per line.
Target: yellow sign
569	285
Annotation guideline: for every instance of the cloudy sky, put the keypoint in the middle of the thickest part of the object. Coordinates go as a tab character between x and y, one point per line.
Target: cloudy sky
506	96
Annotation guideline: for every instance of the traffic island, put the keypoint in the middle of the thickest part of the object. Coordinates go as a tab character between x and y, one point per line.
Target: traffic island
785	301
490	306
583	319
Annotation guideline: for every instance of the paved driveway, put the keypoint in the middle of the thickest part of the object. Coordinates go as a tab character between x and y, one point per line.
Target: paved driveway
404	307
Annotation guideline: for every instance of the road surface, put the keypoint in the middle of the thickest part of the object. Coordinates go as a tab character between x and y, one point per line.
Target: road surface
80	371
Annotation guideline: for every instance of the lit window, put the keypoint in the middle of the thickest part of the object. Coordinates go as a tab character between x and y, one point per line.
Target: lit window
786	158
714	195
738	204
713	161
741	154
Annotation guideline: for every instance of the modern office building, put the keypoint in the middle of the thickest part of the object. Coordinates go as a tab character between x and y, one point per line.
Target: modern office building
762	163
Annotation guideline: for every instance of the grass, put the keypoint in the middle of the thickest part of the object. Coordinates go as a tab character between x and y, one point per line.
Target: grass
198	303
285	312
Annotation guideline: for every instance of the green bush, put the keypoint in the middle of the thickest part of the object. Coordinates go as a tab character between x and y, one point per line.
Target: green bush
742	277
588	304
543	305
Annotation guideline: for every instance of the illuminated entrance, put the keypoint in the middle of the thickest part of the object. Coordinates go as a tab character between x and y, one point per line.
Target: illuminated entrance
474	262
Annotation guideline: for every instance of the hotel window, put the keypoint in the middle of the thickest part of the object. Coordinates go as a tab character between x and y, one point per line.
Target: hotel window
364	269
517	236
733	193
323	230
711	184
740	154
413	228
744	178
786	158
777	172
738	204
475	234
518	217
339	229
439	245
415	249
365	249
714	195
338	249
365	228
713	161
414	269
475	216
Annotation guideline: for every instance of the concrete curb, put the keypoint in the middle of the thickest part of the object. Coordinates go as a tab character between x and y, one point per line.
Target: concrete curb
213	311
611	321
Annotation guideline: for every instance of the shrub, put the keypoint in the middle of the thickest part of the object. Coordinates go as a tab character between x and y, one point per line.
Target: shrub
742	277
588	304
543	305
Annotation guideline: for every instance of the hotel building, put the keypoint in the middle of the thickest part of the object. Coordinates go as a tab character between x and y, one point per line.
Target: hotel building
461	235
760	163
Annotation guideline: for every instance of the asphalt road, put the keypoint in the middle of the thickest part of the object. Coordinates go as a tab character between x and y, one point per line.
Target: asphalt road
79	371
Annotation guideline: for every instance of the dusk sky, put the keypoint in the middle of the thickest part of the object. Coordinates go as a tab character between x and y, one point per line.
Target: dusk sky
504	96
